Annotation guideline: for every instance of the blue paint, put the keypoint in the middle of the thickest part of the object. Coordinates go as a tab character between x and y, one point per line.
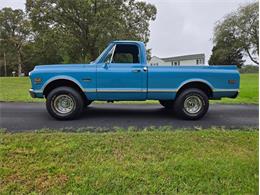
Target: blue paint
118	81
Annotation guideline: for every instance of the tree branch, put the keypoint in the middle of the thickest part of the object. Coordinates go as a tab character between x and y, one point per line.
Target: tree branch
250	56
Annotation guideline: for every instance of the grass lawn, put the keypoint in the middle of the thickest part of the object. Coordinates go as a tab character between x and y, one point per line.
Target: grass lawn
130	162
16	89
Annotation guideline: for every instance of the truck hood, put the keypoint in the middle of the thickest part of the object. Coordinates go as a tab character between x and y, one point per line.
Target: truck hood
59	66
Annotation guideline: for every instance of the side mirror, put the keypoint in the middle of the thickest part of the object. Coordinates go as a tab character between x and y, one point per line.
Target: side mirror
106	65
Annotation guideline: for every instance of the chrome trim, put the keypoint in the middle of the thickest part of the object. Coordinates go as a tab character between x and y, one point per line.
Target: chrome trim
119	90
162	90
35	91
135	90
138	90
90	90
69	78
156	90
113	51
195	80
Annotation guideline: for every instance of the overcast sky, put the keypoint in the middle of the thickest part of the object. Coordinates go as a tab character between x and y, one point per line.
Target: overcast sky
181	26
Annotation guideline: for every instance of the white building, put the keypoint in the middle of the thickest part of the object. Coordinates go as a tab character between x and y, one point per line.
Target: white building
194	59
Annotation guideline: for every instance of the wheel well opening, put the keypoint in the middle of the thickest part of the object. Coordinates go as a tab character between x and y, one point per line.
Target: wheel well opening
59	83
199	85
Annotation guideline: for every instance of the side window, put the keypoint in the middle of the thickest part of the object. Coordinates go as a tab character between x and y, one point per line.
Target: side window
125	53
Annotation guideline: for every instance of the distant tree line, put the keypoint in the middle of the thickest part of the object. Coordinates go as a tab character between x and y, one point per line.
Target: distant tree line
237	36
249	69
63	31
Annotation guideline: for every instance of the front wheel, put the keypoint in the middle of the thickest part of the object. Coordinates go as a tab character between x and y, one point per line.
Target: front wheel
191	104
64	103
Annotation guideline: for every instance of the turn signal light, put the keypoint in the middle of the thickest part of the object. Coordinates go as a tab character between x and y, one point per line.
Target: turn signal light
231	81
37	80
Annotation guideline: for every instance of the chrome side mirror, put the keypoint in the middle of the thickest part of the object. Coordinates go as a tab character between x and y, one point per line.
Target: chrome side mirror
106	65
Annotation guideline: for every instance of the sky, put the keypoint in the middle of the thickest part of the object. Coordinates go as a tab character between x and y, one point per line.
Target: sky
182	27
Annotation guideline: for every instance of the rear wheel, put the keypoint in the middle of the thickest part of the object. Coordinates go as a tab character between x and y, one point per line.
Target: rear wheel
191	104
64	103
168	104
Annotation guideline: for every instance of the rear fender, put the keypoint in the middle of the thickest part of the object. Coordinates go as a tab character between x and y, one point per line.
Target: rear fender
195	80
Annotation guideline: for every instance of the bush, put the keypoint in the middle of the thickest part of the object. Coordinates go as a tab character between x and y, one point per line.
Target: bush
249	69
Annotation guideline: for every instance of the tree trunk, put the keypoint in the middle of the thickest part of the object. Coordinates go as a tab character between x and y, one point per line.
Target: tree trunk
5	64
19	64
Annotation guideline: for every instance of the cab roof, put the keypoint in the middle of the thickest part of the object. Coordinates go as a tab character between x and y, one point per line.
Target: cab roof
127	41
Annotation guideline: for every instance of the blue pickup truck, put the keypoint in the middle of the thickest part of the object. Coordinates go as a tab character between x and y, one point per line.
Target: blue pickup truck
121	73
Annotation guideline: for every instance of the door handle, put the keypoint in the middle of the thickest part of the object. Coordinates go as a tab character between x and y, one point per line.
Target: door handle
136	70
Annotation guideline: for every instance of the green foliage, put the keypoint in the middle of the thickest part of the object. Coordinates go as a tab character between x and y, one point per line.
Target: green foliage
130	162
73	31
15	33
242	27
249	69
89	25
16	90
225	52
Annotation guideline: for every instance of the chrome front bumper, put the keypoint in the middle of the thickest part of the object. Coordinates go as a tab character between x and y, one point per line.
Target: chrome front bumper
32	93
36	93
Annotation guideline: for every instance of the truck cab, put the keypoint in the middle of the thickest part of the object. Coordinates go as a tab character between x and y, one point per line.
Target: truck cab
121	73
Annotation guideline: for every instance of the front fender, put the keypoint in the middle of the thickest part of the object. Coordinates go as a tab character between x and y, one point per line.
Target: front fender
62	77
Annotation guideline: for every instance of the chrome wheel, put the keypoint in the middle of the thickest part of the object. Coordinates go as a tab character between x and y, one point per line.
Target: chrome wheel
193	104
63	104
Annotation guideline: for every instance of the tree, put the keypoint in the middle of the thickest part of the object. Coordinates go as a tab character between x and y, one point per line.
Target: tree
243	24
15	32
225	52
86	26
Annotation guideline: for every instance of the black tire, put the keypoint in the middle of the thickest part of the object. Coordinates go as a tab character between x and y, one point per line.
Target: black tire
76	103
87	103
191	97
168	104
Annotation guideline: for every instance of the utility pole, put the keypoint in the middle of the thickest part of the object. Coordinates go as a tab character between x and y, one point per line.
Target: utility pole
5	64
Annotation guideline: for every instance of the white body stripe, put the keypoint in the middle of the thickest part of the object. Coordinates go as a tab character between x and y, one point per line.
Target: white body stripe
115	90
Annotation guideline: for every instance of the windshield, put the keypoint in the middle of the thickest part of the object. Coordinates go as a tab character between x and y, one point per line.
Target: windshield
105	50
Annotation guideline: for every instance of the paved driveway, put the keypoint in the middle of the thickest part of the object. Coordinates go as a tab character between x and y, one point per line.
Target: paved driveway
30	116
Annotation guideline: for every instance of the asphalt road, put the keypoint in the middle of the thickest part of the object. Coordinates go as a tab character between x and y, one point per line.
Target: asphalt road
31	116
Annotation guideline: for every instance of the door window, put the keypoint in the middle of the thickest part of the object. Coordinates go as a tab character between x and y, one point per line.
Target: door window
125	53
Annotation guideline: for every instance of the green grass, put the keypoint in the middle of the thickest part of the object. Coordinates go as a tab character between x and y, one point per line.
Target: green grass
130	162
16	89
